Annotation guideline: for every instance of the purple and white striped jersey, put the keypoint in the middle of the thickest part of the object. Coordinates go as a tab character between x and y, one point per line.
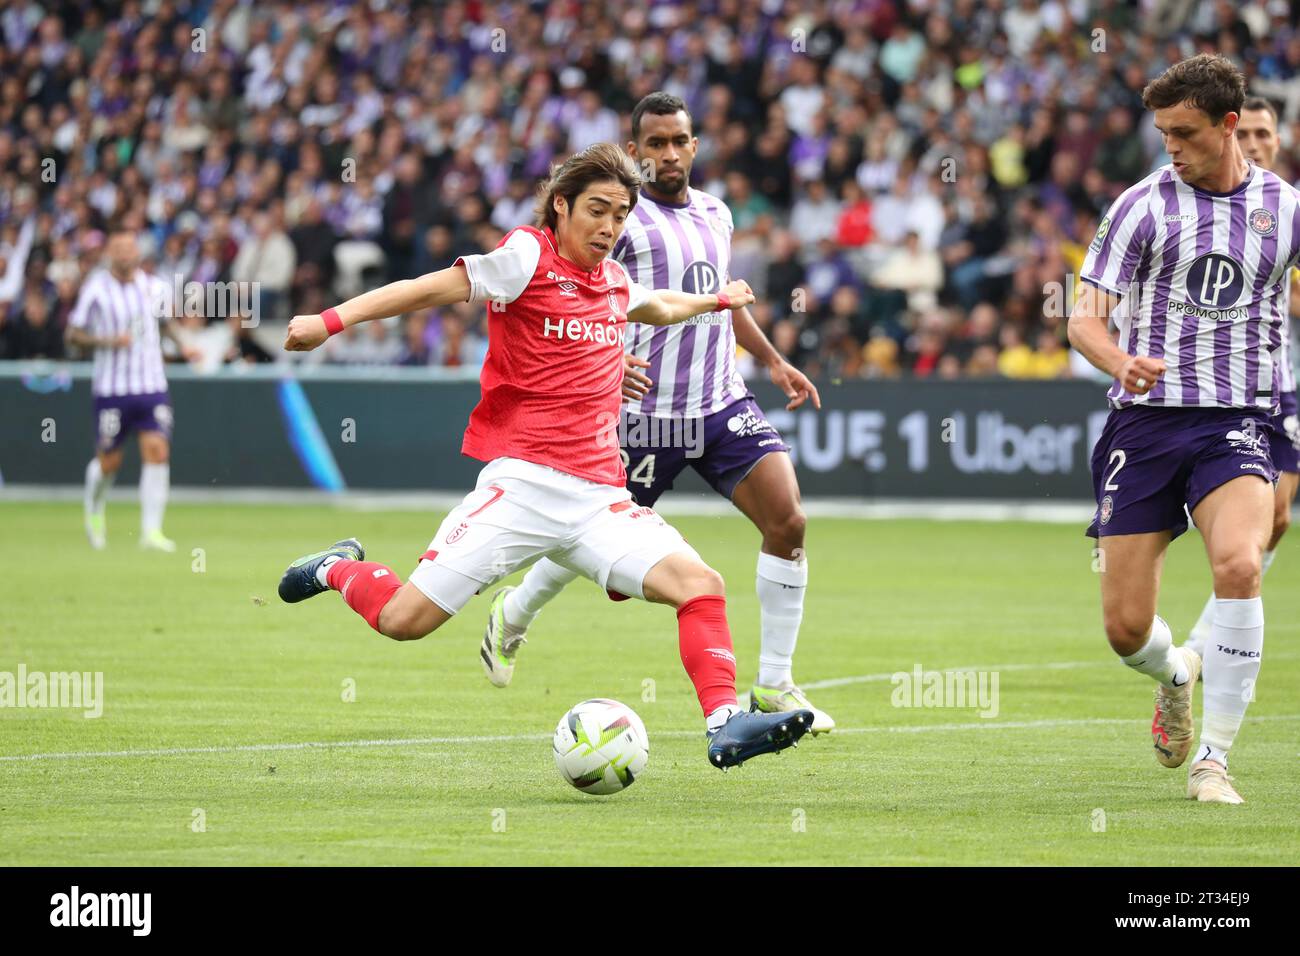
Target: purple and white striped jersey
1204	278
109	308
1284	354
687	248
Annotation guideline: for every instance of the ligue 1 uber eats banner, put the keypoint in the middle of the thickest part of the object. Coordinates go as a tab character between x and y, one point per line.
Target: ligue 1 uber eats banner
900	439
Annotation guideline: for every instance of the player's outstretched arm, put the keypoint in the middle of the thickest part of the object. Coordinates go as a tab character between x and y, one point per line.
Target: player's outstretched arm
667	307
798	388
1089	332
405	295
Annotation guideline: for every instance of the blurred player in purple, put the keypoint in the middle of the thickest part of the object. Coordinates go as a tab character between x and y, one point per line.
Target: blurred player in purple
690	408
121	313
1192	263
1257	135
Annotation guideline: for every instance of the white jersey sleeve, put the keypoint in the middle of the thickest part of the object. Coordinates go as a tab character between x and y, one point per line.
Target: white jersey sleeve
502	274
637	294
87	302
1122	241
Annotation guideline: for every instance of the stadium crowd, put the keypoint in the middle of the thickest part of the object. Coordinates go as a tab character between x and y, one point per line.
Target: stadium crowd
912	183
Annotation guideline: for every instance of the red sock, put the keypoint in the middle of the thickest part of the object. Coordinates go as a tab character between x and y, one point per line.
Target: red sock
704	640
366	585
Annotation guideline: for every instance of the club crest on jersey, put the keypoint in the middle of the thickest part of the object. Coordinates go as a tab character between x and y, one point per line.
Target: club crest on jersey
457	533
1263	222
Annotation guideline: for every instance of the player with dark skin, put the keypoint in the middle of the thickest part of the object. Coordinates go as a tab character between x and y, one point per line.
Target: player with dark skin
768	495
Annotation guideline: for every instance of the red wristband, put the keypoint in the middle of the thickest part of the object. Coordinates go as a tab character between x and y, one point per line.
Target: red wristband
333	324
724	302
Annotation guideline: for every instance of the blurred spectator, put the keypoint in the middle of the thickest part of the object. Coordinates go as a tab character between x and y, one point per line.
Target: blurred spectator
815	215
911	269
267	257
31	334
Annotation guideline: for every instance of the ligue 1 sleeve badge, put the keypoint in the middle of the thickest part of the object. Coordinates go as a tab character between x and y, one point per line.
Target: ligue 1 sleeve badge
1100	238
1263	222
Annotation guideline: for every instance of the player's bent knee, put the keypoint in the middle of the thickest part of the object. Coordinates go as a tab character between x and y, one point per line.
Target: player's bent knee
404	621
1237	575
701	580
788	531
1126	632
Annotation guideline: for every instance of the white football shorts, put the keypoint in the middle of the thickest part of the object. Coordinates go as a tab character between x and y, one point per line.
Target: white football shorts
520	511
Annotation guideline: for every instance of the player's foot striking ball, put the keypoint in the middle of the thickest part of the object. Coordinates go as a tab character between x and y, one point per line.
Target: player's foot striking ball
553	484
747	734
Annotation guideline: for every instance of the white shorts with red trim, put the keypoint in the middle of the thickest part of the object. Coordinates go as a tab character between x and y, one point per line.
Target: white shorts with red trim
520	511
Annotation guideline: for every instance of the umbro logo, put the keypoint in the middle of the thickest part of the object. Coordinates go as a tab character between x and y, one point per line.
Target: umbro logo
567	286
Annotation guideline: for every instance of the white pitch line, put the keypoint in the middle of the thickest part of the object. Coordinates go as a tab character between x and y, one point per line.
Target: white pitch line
510	738
873	678
258	748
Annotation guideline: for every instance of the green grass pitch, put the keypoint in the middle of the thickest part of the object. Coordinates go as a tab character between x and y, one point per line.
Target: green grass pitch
429	764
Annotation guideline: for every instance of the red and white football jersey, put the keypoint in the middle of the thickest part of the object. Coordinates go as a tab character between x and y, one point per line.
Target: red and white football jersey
552	379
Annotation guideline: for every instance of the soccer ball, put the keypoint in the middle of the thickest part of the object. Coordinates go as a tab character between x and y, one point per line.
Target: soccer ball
601	746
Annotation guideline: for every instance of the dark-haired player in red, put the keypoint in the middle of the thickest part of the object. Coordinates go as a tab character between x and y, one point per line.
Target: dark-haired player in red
554	483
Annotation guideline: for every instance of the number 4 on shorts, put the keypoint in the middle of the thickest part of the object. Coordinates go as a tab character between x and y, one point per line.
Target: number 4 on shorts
645	472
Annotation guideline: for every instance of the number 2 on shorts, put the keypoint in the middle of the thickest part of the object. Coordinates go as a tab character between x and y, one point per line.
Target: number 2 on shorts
1117	455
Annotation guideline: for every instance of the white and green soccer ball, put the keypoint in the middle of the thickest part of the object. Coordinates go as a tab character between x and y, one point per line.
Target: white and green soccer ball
601	746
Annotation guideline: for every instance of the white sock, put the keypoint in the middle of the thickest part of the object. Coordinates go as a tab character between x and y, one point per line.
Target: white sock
544	581
323	570
97	485
1231	666
154	480
1158	657
1205	623
781	585
722	715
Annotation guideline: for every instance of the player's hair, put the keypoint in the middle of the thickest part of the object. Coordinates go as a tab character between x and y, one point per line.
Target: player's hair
602	162
657	103
1260	103
1207	82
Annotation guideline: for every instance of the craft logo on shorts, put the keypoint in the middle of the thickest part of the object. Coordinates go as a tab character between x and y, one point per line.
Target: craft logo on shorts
1263	222
457	533
1106	510
1101	235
